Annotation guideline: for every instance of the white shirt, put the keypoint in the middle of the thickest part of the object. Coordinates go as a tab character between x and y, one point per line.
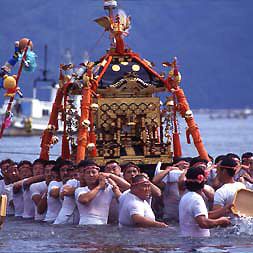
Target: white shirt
53	204
2	184
9	192
18	203
68	213
191	206
171	196
225	194
95	212
130	204
249	185
38	189
28	203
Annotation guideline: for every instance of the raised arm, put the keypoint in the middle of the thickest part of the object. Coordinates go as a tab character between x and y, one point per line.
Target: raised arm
86	198
157	180
121	182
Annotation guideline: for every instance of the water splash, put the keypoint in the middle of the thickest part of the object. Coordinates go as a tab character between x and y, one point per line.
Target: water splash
243	225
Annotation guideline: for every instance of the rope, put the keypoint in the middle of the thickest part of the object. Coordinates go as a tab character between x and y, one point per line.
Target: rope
97	42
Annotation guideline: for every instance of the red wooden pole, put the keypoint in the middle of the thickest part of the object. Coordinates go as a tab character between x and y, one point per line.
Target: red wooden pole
8	110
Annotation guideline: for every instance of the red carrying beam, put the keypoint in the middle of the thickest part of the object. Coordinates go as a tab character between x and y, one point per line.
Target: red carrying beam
82	139
52	126
184	110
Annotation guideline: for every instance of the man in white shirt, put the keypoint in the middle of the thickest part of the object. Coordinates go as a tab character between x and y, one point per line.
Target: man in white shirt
68	213
134	208
53	201
224	196
39	189
112	167
6	184
168	181
193	214
25	171
93	201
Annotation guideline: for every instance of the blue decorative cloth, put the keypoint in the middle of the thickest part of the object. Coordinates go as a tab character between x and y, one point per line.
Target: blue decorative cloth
30	62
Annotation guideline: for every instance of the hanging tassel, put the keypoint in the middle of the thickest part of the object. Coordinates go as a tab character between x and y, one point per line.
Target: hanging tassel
176	139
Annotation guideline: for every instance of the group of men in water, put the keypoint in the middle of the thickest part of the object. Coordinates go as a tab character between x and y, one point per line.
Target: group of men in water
192	191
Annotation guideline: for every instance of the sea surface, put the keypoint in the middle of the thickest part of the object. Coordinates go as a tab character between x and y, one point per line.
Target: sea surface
219	135
18	235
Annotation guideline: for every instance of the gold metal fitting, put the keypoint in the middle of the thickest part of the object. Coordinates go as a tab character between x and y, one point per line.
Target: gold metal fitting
188	114
86	123
91	146
94	107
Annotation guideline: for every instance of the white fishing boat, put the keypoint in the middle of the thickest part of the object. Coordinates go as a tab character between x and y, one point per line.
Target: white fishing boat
30	116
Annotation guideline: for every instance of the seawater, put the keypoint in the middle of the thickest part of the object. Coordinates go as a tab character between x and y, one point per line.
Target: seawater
220	136
20	235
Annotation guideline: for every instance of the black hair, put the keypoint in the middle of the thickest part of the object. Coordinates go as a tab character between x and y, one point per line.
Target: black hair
21	163
129	164
50	162
230	164
85	163
179	159
111	161
39	161
56	168
66	162
232	155
59	160
219	158
197	160
6	161
138	178
247	155
211	158
193	173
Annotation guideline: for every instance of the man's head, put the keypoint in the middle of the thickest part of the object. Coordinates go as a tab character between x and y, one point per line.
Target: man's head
198	162
113	167
195	179
141	187
226	169
25	169
89	172
55	173
38	167
66	167
13	173
48	168
247	159
218	159
130	170
4	165
235	157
